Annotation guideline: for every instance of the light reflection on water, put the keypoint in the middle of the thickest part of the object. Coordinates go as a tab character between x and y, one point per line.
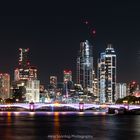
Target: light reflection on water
50	113
41	125
56	126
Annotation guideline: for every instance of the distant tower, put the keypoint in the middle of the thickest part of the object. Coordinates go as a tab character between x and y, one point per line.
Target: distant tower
121	89
67	79
25	71
107	75
26	85
67	75
32	73
53	81
85	65
23	57
23	64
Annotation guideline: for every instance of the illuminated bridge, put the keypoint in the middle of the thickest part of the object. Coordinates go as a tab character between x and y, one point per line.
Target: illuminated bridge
74	106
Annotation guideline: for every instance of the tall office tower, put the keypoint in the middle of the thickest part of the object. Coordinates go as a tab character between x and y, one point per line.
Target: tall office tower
102	78
107	75
67	75
24	71
85	65
53	81
23	58
121	89
95	85
25	79
23	64
4	85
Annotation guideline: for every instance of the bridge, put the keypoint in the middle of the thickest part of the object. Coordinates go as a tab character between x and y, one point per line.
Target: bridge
78	106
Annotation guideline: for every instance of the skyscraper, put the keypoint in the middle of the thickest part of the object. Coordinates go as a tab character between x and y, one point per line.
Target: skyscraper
23	64
107	75
121	90
85	65
67	75
25	85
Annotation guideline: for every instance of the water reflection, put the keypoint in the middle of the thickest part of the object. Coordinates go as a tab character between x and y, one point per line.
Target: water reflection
56	134
61	125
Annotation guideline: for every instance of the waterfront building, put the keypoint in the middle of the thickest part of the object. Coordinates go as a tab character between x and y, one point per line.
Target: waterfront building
24	71
32	91
121	90
95	85
107	75
4	85
25	84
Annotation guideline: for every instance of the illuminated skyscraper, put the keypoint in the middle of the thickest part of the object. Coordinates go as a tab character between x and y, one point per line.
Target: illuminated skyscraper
25	71
67	75
23	64
85	65
121	89
25	85
107	75
4	85
32	90
68	83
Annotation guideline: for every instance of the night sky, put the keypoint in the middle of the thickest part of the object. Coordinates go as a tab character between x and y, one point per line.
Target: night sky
53	32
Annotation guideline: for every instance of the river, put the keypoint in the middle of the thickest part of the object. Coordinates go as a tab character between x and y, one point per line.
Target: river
68	125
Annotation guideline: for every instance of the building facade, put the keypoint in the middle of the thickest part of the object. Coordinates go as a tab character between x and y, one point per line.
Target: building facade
32	91
85	65
121	90
26	84
107	75
4	85
67	75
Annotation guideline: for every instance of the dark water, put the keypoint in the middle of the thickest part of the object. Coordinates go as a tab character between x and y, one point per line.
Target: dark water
57	126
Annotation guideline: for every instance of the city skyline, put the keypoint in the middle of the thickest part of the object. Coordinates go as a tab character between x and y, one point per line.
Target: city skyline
55	39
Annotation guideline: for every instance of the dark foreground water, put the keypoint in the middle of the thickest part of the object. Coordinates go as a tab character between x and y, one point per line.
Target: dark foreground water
76	126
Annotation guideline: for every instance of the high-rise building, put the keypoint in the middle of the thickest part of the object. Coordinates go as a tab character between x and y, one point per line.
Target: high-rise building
102	78
53	81
4	85
85	65
25	85
23	64
24	71
67	75
121	90
32	73
32	91
95	86
107	75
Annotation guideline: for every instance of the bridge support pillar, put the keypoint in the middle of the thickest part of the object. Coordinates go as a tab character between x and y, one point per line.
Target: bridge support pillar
31	106
81	106
126	106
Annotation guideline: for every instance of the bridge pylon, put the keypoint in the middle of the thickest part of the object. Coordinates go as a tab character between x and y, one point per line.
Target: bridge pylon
32	106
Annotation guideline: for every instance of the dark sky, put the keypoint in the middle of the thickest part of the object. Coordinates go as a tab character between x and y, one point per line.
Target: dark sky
53	32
